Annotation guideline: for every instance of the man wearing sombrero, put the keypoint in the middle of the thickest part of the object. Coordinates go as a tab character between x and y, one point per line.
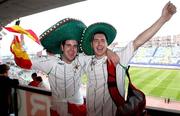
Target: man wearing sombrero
95	40
64	72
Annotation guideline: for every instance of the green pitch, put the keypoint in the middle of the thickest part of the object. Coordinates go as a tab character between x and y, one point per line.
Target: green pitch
163	83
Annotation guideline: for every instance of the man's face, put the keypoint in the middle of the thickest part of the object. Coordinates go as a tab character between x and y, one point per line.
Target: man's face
69	49
99	45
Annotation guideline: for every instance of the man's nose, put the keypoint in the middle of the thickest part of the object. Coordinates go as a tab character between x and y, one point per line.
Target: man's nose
73	48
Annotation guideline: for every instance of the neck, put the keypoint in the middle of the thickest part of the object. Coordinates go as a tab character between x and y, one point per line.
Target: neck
99	57
66	60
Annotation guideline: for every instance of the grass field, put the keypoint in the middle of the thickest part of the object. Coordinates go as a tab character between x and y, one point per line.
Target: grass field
163	83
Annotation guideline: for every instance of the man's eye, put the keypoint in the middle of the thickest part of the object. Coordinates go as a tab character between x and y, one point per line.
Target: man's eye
67	45
75	46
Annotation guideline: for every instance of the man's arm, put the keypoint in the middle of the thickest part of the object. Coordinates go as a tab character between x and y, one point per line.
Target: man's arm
113	57
168	11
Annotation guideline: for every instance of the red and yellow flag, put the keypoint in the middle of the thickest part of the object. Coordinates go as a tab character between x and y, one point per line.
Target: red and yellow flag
29	33
20	55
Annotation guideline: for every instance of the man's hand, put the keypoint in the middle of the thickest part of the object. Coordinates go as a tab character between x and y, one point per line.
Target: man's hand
168	11
113	57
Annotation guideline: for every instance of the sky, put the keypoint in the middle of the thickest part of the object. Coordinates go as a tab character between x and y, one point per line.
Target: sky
129	17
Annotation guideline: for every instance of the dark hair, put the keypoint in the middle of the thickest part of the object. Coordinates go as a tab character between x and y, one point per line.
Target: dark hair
63	42
39	78
99	32
4	68
34	75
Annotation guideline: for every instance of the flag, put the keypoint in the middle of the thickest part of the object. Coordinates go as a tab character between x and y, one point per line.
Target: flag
29	32
20	55
23	42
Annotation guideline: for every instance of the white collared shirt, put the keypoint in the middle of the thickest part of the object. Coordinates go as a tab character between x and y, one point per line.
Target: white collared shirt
64	80
99	102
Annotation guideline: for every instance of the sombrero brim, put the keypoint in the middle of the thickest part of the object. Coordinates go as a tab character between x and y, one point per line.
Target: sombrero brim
106	28
66	29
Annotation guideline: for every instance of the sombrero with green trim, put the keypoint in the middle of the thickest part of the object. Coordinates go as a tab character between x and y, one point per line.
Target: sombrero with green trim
89	32
66	29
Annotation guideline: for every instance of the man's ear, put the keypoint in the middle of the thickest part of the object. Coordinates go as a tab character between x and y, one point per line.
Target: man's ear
62	47
91	45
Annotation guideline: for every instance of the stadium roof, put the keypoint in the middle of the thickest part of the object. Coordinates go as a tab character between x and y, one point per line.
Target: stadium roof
14	9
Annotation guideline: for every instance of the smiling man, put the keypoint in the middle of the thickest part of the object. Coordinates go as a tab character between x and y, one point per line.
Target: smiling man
64	72
70	50
95	41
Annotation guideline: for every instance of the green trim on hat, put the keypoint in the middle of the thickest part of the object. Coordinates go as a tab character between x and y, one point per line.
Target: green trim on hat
86	39
66	29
